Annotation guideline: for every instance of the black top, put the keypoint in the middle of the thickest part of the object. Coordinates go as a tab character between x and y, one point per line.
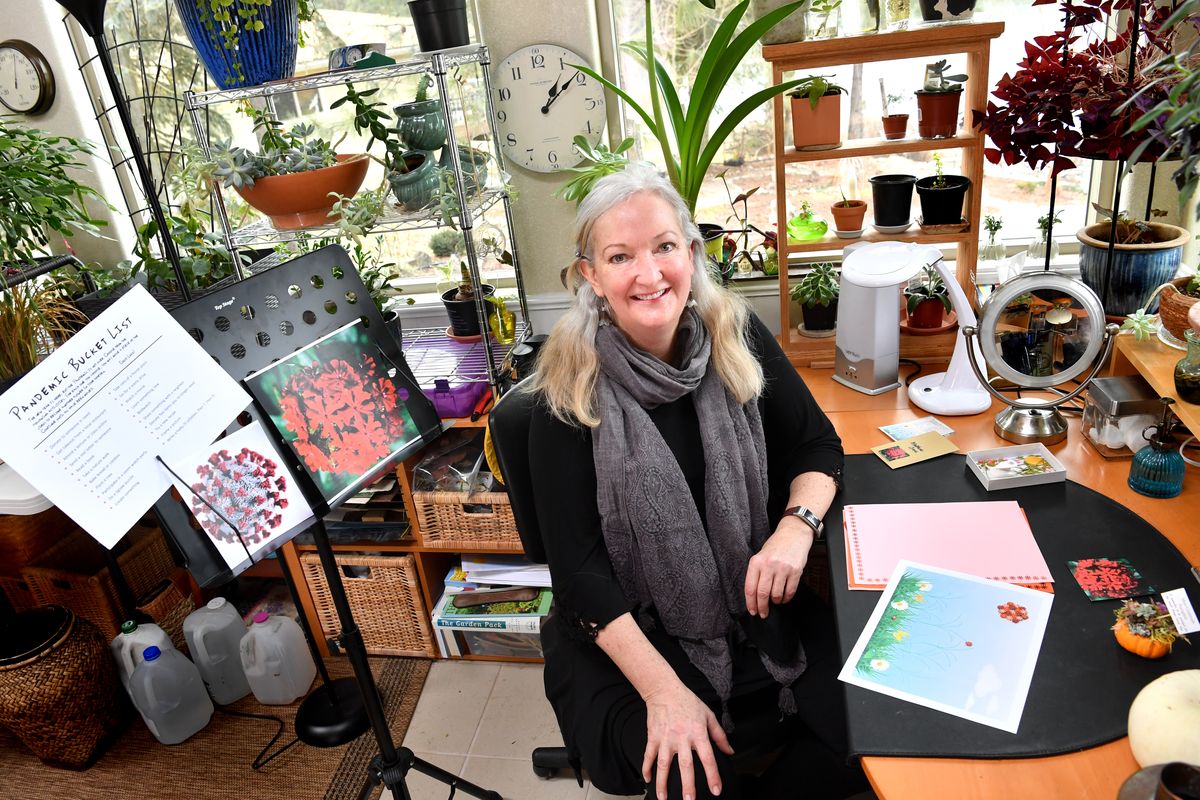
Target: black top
799	439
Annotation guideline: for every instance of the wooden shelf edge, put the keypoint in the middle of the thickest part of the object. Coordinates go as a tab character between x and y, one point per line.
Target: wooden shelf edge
931	39
914	234
856	148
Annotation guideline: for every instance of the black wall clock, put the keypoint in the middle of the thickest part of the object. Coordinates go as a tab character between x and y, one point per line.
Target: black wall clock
26	80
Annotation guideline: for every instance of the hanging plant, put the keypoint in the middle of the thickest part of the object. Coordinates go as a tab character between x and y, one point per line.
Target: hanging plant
1068	97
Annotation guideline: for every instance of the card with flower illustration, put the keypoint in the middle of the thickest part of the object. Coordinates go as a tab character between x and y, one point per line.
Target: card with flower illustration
1109	578
344	408
922	447
952	642
1019	465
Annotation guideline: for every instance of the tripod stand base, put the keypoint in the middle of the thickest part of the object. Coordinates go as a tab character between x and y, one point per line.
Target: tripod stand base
332	715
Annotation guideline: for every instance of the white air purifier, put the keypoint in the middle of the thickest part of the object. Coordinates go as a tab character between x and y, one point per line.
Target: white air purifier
868	324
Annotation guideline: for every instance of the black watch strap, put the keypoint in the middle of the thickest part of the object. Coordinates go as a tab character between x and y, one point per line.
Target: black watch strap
811	519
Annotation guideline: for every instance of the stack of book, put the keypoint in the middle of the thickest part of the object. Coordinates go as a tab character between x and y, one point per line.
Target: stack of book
505	628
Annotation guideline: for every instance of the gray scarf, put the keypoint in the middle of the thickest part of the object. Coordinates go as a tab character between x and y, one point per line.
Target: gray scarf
661	553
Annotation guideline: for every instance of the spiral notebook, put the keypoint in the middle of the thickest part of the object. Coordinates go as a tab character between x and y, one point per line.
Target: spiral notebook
987	539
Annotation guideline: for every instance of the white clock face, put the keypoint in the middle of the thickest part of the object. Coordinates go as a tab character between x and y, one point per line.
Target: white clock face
20	84
542	103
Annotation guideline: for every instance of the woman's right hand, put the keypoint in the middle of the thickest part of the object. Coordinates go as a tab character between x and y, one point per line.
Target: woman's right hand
678	723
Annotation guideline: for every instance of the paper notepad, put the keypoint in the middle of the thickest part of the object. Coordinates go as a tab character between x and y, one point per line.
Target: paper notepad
987	539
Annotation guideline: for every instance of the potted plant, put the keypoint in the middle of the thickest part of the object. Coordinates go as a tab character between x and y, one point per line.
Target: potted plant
848	217
1177	300
245	43
1145	629
821	19
474	165
420	125
460	302
817	293
993	250
891	197
938	101
696	140
410	173
1068	98
598	161
895	124
291	176
1146	254
816	113
1044	244
806	226
942	196
928	299
440	24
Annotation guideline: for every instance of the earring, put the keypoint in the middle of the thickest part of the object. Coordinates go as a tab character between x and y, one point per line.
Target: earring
691	301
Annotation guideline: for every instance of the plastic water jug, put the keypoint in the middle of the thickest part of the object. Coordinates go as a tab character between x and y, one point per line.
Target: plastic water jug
276	660
214	634
169	693
131	642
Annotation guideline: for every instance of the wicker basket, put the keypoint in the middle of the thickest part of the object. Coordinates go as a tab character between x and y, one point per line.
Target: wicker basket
74	574
24	537
1173	307
17	592
458	521
169	604
386	603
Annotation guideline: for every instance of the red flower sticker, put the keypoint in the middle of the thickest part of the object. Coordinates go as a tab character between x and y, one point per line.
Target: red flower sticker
1107	578
1012	612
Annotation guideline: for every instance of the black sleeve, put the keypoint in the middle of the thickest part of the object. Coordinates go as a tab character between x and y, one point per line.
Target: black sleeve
564	490
800	438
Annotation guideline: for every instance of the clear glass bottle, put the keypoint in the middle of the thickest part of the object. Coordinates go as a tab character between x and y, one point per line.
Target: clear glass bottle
1157	469
1187	371
993	250
823	23
1037	250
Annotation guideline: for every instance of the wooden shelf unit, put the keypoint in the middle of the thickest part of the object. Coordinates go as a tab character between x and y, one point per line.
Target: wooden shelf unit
1155	362
970	38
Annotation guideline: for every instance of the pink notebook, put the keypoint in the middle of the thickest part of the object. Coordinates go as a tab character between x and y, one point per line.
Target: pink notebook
988	539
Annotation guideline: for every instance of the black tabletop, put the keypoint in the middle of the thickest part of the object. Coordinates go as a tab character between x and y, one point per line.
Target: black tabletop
1083	683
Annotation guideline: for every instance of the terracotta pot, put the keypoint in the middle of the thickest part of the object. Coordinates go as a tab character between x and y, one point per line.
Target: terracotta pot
1175	306
937	114
1194	317
301	199
1136	268
849	218
895	126
817	128
927	314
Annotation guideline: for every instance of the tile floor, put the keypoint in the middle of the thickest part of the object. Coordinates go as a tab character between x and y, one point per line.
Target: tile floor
481	720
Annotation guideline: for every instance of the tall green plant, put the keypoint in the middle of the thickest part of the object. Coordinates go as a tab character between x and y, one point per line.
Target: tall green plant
680	130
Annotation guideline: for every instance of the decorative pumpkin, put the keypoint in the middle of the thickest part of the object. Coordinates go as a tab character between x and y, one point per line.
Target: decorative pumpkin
1145	629
1164	720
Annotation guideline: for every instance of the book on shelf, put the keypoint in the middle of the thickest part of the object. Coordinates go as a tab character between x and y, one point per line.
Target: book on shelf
456	581
524	616
505	571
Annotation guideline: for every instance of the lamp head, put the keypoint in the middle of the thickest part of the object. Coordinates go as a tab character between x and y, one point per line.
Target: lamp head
88	13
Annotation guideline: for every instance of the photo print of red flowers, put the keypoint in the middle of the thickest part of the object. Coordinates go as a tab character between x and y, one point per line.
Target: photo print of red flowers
339	406
1108	578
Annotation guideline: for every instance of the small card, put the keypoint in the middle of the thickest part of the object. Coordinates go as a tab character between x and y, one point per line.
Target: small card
910	451
1108	578
915	427
1182	613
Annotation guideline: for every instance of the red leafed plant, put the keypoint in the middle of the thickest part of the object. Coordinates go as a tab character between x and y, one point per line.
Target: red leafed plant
343	415
1070	88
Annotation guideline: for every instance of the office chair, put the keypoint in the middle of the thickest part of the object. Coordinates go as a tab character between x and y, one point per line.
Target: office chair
509	424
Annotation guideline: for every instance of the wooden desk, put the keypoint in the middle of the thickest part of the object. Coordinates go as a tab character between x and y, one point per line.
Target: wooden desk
1094	773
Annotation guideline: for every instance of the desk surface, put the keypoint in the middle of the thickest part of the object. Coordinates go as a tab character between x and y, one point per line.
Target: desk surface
1094	773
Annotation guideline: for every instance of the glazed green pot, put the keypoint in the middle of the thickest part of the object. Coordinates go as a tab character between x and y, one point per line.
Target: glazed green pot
416	188
474	167
421	125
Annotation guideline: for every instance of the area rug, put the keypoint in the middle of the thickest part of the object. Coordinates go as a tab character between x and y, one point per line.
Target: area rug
215	763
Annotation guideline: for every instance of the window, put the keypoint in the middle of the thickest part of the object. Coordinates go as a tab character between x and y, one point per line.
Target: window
1017	194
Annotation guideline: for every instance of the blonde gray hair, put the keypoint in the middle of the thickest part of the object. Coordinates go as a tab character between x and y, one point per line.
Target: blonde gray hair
568	363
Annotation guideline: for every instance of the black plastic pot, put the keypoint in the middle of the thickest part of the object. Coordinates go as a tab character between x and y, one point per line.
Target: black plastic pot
464	318
942	205
818	317
939	10
892	196
440	23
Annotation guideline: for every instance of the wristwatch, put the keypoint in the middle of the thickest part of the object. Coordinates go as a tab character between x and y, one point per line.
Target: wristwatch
810	519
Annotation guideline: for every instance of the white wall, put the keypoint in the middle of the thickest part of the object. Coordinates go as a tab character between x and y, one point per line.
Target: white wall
40	22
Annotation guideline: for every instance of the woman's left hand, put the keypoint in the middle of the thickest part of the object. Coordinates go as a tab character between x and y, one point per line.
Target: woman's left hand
774	571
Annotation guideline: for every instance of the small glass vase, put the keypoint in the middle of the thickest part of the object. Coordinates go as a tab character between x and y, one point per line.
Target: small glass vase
993	250
822	24
1187	371
896	13
1037	250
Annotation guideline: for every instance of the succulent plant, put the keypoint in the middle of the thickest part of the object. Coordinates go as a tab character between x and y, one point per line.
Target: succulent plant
280	152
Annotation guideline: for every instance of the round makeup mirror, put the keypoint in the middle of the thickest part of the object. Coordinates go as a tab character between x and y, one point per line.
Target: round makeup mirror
1037	331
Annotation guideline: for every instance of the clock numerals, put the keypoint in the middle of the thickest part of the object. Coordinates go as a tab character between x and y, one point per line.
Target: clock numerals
537	61
505	94
510	139
502	116
516	73
581	79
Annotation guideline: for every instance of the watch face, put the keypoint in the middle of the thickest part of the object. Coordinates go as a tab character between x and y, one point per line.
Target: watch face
542	103
26	84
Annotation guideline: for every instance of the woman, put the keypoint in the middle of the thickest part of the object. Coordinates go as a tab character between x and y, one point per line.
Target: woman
671	429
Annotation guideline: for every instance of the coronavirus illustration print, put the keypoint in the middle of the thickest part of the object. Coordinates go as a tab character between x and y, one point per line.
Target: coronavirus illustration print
246	488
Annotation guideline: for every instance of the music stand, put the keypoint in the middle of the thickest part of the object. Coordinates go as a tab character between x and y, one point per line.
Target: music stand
248	326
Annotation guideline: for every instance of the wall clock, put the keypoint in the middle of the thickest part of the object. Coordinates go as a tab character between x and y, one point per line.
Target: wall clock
542	103
26	80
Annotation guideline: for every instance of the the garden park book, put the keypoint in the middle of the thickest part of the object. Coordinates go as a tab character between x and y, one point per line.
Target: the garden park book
987	539
525	616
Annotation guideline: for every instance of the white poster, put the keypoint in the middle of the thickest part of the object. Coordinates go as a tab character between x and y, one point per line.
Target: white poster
84	427
243	478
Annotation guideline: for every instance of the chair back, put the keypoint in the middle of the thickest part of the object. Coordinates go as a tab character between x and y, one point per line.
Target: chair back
509	422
